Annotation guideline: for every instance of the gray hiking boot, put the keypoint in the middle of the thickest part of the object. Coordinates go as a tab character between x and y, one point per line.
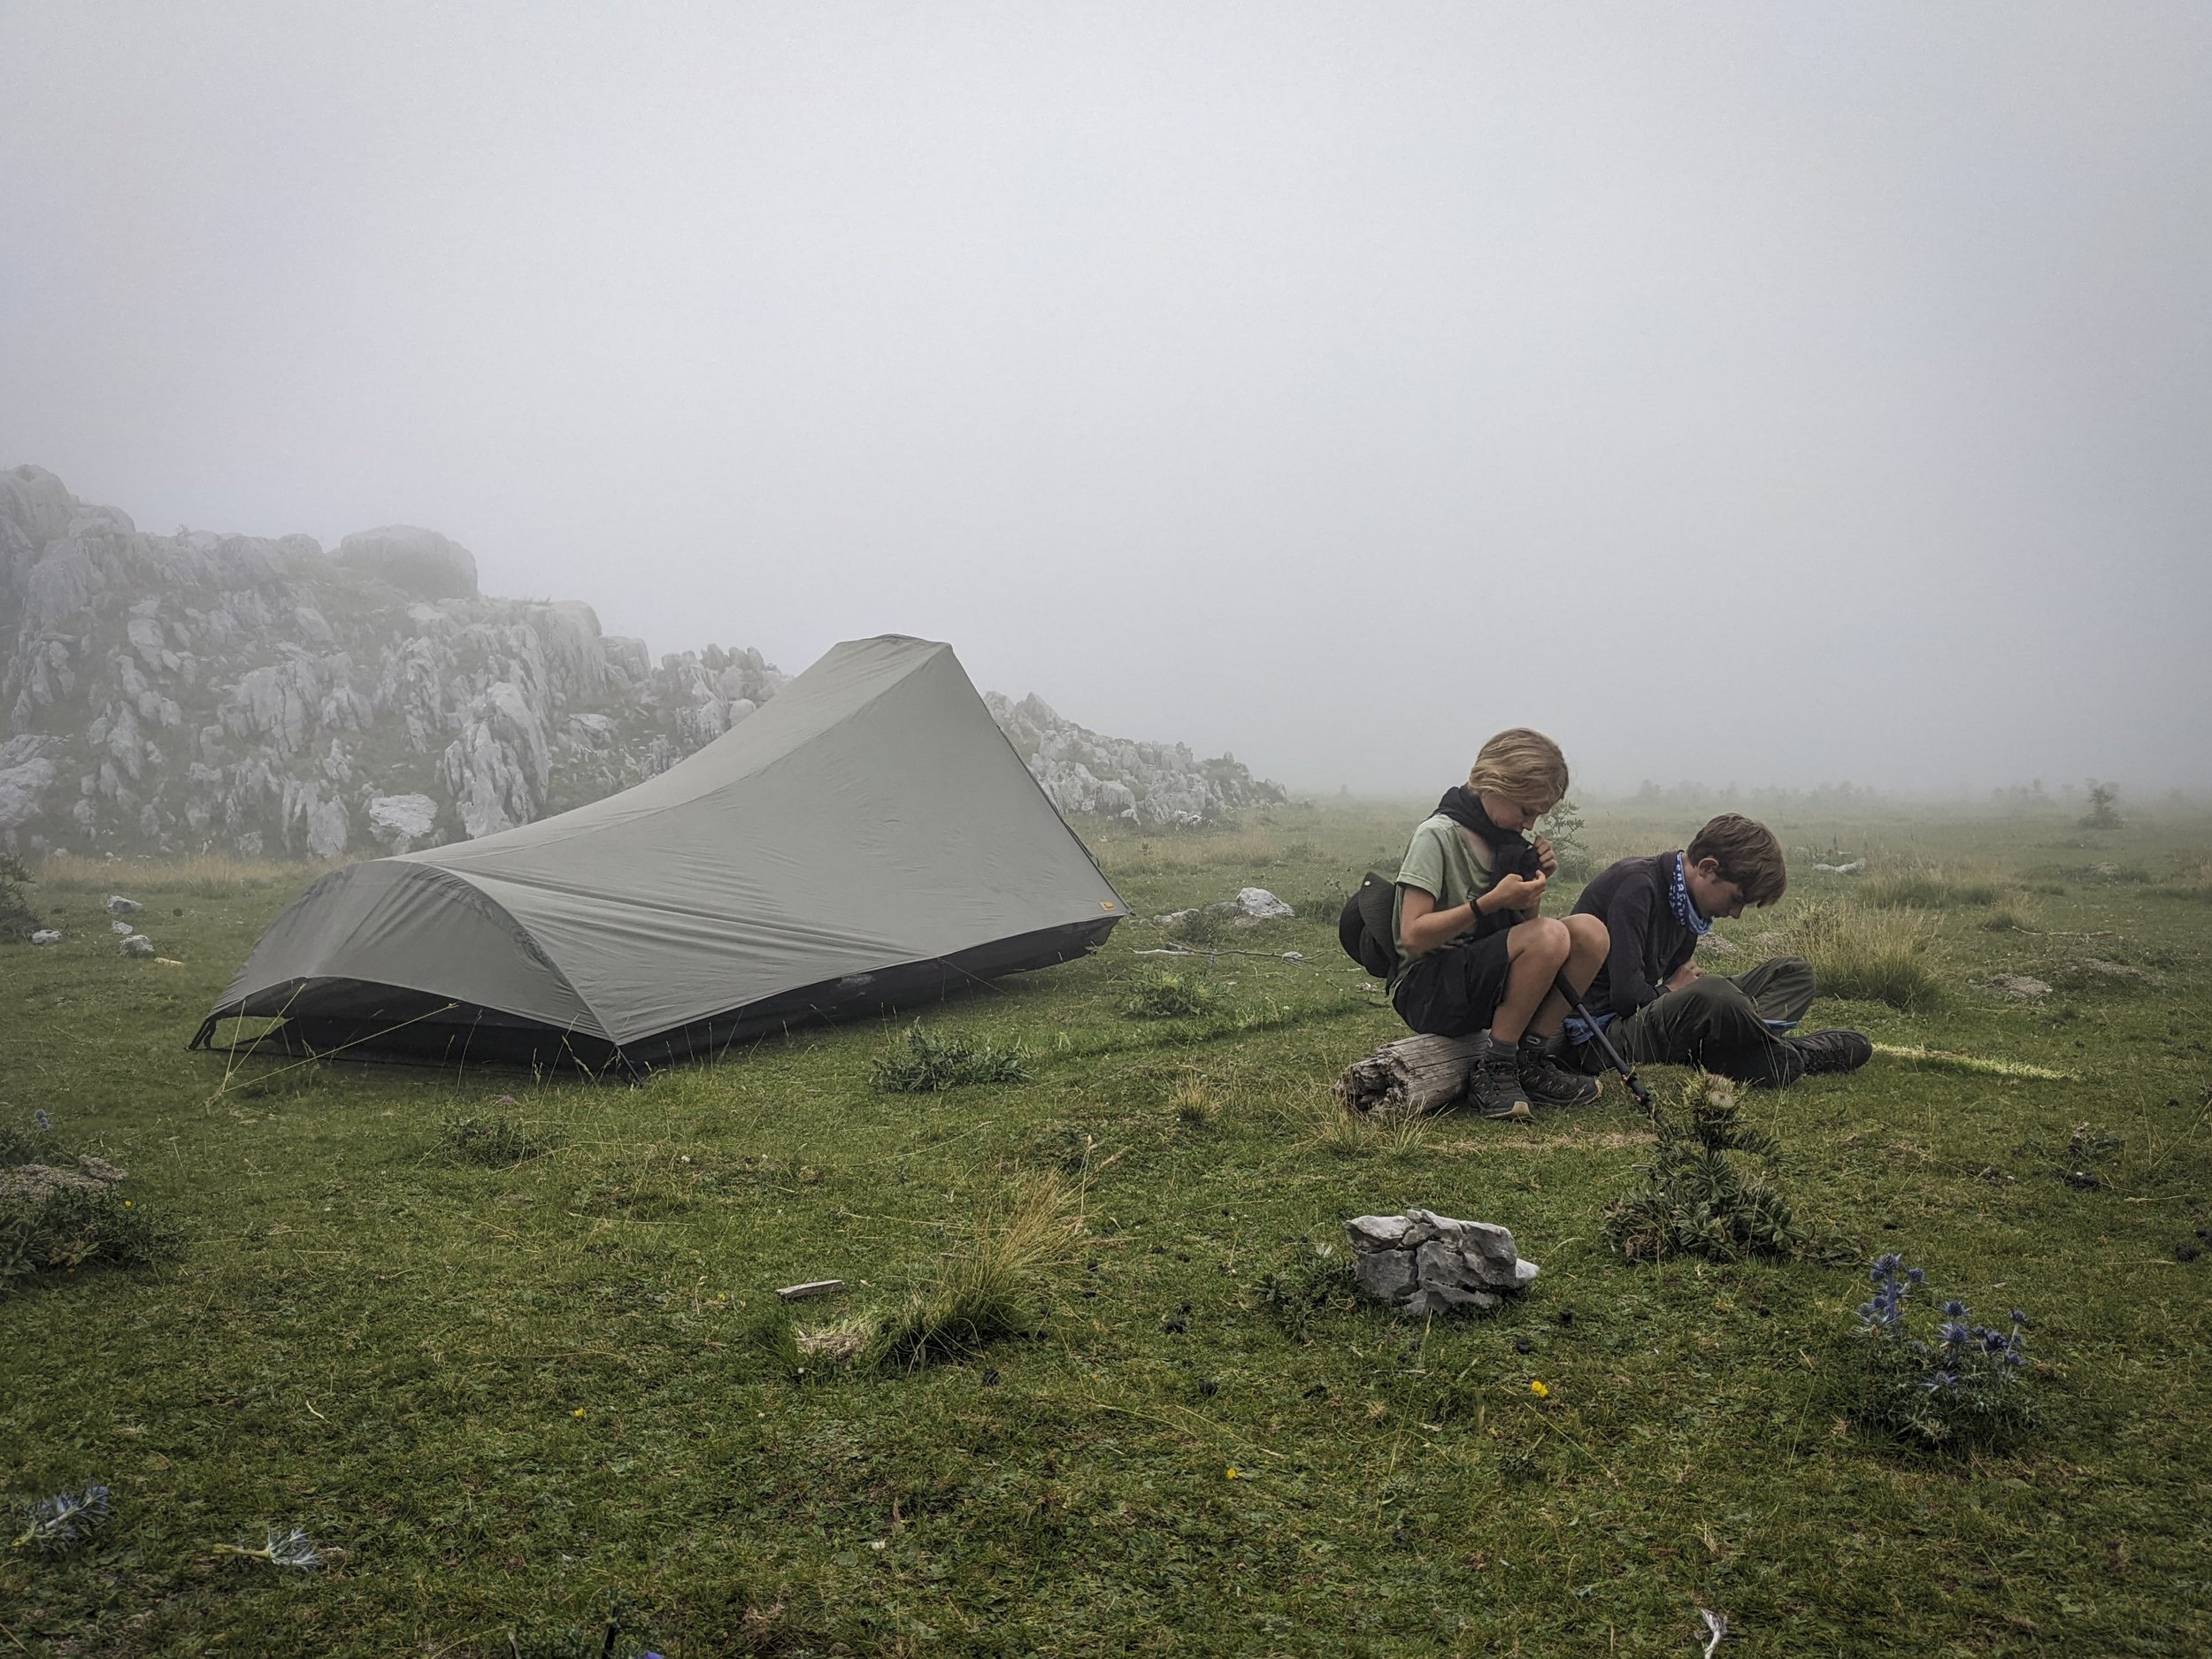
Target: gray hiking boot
1494	1086
1547	1082
1833	1051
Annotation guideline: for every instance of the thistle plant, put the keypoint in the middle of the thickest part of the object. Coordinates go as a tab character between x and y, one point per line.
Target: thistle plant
1965	1386
294	1549
65	1519
1698	1196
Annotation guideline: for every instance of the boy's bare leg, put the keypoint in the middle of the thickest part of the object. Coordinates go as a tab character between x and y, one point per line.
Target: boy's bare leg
1535	952
1588	944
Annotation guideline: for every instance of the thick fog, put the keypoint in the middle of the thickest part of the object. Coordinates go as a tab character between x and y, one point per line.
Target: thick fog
1780	394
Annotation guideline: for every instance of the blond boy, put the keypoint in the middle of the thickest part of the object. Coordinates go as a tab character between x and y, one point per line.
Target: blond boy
1474	953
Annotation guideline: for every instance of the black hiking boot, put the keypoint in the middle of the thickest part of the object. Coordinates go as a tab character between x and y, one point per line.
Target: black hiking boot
1833	1051
1548	1082
1494	1086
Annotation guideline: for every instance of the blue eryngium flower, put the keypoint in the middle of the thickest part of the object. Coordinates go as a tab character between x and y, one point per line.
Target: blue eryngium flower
2018	1318
65	1519
1951	1333
1942	1380
1915	1274
1955	1309
44	1123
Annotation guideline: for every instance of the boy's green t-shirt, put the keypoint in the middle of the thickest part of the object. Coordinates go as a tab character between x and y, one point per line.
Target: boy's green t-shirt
1446	862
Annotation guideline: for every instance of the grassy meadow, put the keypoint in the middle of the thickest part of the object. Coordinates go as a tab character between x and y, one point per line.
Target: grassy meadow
506	1350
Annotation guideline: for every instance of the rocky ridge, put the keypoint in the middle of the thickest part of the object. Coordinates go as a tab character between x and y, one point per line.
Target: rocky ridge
270	697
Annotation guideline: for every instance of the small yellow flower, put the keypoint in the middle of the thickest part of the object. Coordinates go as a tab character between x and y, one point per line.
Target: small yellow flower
127	1203
578	1412
1539	1390
1233	1474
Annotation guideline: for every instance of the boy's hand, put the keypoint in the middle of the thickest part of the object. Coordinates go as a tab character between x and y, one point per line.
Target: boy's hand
1520	892
1682	975
1547	860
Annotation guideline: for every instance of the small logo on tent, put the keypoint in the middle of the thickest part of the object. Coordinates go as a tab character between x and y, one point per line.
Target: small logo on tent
1105	904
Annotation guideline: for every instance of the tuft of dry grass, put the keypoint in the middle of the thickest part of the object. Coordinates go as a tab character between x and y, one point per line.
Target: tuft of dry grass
1920	884
1875	956
983	1291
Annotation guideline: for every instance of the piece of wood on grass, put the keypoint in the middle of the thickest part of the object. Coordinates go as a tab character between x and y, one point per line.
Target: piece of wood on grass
813	1287
1412	1076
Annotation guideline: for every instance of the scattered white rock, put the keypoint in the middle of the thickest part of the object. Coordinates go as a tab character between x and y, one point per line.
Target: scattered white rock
1263	906
1293	956
47	936
399	821
118	905
1421	1263
138	945
1851	868
122	927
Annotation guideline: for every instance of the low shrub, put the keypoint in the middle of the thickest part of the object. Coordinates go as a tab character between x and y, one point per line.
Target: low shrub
928	1065
493	1140
1698	1197
1961	1385
17	918
1316	1280
1870	955
58	1214
1160	994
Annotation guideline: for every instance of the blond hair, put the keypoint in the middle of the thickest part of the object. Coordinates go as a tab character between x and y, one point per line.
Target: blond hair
1524	766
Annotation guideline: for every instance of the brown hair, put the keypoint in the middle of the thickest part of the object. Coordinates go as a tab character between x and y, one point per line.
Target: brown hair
1747	855
1524	766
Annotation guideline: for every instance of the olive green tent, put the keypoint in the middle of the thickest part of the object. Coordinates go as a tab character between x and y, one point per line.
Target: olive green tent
868	837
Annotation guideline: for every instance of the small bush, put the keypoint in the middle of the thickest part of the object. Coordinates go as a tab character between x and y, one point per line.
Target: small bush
1963	1385
55	1216
928	1065
1159	995
493	1140
1314	1281
1870	955
1563	827
985	1290
1206	927
2103	812
17	918
1697	1199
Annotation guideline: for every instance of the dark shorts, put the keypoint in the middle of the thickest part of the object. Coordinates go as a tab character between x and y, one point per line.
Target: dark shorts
1454	991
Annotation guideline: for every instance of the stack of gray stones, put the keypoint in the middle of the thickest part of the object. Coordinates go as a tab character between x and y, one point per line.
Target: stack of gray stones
1421	1262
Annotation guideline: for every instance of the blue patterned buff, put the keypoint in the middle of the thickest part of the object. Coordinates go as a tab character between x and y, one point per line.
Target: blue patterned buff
1685	912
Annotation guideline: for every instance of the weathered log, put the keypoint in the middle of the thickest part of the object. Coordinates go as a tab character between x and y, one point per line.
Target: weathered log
1410	1077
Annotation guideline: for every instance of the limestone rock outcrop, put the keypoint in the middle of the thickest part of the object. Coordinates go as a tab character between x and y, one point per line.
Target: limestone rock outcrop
1155	785
171	694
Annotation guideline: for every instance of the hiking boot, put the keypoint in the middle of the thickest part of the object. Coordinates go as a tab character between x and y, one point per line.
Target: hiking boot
1833	1051
1494	1086
1547	1082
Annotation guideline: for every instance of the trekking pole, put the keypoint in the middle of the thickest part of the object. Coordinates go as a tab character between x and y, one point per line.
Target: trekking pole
1604	1042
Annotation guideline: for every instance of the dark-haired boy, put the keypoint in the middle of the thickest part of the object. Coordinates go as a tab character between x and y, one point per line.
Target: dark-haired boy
1655	1004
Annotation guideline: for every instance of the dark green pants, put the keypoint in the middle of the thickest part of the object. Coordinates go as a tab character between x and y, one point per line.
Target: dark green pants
1719	1023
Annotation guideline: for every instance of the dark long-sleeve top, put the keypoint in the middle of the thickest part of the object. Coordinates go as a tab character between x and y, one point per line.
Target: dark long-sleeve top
1649	942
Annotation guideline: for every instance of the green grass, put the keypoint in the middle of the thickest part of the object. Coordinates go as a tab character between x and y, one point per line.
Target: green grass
517	1402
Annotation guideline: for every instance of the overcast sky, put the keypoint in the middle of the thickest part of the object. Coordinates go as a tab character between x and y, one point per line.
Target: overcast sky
1779	394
